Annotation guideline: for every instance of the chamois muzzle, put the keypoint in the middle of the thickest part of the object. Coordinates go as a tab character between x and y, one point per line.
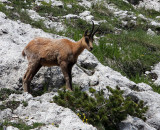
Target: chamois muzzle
91	48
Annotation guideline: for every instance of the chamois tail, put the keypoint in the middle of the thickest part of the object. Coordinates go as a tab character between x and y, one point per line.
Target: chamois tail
23	53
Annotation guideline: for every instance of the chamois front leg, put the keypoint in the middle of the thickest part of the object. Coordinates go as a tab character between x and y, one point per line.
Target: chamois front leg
66	70
70	75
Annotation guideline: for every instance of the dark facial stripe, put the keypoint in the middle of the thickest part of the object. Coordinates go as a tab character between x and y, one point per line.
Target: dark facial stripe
87	40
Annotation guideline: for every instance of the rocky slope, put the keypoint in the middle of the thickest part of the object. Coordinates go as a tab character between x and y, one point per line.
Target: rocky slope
88	72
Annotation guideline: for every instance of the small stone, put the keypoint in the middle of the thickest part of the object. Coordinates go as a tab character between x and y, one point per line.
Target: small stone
69	6
158	17
150	32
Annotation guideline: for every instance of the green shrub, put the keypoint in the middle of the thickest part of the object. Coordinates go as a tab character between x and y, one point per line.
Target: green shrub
104	113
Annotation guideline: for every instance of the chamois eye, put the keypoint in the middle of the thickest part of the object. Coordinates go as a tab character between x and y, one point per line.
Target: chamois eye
87	40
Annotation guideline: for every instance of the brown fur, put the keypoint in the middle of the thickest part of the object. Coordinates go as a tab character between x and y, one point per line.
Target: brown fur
53	52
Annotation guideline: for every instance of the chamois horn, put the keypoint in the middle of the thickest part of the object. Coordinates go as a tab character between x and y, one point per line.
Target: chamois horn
96	30
92	29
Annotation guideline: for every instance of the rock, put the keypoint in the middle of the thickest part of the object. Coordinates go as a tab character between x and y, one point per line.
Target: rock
21	97
156	70
155	122
11	128
71	16
150	32
89	18
157	17
144	87
85	3
134	123
86	16
105	75
46	97
34	15
48	127
41	110
58	26
94	81
4	0
141	87
87	60
69	6
85	13
53	2
2	15
142	16
150	4
5	114
151	99
57	3
154	23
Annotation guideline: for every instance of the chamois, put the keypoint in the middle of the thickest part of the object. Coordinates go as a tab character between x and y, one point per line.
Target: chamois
55	52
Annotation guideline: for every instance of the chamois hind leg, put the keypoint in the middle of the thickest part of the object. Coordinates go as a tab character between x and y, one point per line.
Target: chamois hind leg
67	75
70	75
32	69
25	83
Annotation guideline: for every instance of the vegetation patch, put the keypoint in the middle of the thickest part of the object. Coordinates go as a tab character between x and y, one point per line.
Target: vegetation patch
4	93
18	14
122	5
47	9
76	28
25	103
10	104
21	125
131	53
149	13
104	113
156	88
2	107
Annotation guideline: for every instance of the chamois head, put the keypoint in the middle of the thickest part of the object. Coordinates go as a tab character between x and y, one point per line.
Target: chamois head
88	38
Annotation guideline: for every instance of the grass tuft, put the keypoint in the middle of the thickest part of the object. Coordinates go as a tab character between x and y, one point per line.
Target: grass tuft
20	125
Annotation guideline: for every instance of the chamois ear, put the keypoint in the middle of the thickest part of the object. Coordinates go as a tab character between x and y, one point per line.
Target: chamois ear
86	32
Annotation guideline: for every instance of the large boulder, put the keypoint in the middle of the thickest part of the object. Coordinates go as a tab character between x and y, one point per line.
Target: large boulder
42	110
150	4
